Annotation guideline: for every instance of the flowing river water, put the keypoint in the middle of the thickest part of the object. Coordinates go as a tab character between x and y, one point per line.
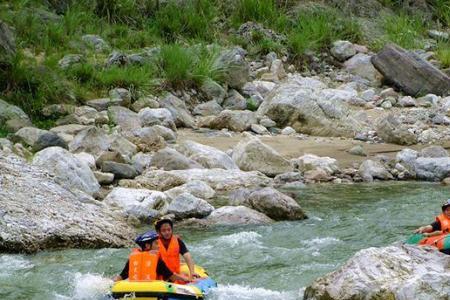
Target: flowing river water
257	262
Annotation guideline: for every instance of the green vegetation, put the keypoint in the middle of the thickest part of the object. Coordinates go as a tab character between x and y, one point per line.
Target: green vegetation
404	30
33	79
317	28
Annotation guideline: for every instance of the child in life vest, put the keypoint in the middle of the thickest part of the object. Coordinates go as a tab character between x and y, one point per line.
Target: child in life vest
146	264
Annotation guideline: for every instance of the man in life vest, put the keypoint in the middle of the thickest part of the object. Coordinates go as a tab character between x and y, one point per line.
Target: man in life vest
440	226
145	263
171	246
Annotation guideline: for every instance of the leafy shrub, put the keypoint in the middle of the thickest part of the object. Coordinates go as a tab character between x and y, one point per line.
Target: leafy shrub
316	28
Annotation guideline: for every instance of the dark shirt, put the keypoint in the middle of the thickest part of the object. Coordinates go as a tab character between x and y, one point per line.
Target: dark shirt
161	269
183	248
436	225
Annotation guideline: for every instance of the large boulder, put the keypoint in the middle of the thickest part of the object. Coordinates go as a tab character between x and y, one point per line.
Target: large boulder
275	204
233	67
195	187
393	272
210	108
92	140
361	65
125	118
157	116
207	156
236	216
218	179
410	72
298	103
9	112
371	169
432	169
179	111
309	162
170	159
188	206
434	151
141	204
251	154
391	130
155	180
120	170
234	120
68	170
38	139
38	213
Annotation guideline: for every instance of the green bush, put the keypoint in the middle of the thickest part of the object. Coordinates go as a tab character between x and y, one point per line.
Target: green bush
404	30
192	20
130	77
317	28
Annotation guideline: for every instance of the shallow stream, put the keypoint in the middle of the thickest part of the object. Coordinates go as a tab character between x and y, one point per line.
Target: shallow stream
249	263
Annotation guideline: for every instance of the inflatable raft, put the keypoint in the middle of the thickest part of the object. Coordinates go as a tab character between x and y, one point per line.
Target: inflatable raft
442	242
163	290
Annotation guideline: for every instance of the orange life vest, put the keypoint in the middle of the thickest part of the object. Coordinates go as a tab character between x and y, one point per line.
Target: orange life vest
445	223
142	265
171	255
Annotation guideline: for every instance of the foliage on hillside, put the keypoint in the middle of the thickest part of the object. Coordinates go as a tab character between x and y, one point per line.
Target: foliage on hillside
47	30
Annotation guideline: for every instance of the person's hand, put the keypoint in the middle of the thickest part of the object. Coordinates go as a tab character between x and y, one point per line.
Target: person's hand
419	230
117	278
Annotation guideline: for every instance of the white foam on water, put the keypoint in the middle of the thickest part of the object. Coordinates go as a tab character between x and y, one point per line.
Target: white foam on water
321	242
13	263
241	238
90	286
238	292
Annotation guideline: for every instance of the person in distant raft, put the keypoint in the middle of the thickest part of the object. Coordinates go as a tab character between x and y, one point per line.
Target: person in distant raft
146	263
440	226
171	246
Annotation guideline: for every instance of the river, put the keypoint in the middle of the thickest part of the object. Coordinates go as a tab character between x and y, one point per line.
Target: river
249	263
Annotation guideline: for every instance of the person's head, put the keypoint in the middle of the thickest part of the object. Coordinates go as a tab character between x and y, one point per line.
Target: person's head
164	227
446	208
148	241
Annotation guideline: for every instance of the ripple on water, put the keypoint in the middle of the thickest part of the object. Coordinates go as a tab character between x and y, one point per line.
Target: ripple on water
238	292
88	287
13	263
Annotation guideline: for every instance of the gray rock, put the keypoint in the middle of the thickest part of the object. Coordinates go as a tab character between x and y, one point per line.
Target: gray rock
104	103
438	35
188	206
391	130
120	170
432	169
370	170
122	94
15	125
141	161
68	170
251	154
123	146
361	65
393	272
91	140
357	150
142	204
196	188
407	157
117	58
275	205
213	90
440	119
410	73
429	100
233	67
434	151
343	50
143	102
287	178
38	139
207	156
157	116
288	131
155	180
104	178
46	220
210	108
407	101
234	120
12	112
96	42
70	59
309	162
58	110
123	117
268	123
236	216
149	139
259	129
178	110
235	101
218	179
170	159
83	115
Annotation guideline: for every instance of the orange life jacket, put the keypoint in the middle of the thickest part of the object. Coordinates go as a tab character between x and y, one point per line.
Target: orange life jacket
445	222
437	241
171	255
142	265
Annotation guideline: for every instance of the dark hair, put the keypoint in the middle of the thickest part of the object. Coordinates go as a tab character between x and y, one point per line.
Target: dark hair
160	223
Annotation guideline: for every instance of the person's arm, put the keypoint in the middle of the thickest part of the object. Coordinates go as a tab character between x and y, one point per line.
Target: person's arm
188	259
433	233
435	226
124	274
179	277
165	272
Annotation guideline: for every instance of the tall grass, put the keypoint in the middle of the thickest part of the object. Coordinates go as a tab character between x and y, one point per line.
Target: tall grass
317	28
404	30
443	54
442	11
